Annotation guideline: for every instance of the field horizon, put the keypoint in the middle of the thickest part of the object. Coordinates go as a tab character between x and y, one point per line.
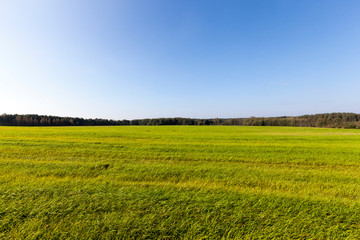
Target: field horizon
325	120
179	119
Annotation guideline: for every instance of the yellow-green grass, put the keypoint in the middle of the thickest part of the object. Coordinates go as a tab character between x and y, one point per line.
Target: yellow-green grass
179	182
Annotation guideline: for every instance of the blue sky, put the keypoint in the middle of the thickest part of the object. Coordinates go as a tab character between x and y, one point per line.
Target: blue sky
160	58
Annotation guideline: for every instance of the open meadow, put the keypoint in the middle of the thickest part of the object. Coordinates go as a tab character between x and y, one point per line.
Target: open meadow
194	182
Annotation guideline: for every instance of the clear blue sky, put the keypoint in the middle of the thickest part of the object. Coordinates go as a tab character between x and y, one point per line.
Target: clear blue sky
176	58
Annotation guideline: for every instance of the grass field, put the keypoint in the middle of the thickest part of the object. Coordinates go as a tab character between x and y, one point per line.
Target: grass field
194	182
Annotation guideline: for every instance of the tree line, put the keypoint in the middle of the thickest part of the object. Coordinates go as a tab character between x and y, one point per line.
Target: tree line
328	120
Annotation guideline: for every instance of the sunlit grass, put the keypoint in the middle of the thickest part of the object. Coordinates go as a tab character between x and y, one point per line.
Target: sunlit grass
179	182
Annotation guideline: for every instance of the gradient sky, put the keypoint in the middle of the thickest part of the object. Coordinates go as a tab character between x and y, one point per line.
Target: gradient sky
177	58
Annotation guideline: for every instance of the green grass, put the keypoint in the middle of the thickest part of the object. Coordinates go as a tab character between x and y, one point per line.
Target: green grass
190	182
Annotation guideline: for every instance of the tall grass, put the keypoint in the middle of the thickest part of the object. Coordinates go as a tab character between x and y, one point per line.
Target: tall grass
179	182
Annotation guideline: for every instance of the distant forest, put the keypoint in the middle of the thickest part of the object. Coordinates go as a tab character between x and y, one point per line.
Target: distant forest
328	120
